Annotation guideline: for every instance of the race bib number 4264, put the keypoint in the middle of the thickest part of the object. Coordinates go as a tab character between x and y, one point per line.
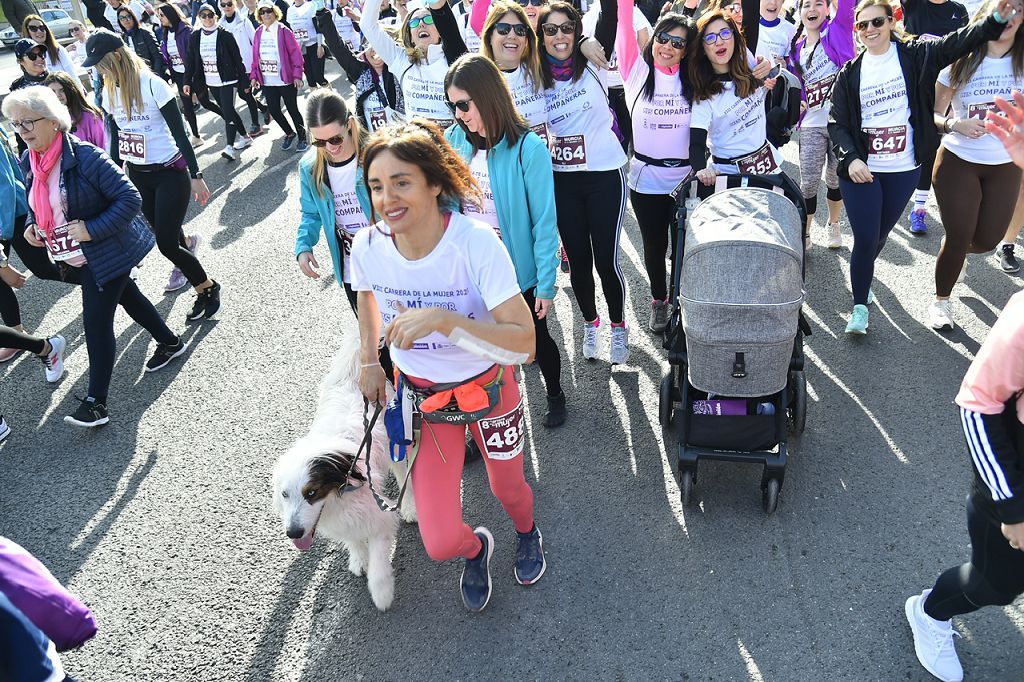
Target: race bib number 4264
569	152
503	436
887	141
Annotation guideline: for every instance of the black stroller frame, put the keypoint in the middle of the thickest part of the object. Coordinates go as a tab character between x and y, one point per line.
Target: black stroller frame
754	438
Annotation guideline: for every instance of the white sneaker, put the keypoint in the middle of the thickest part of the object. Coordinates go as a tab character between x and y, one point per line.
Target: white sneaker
229	153
5	430
940	314
242	142
53	362
835	235
197	141
591	340
620	345
933	641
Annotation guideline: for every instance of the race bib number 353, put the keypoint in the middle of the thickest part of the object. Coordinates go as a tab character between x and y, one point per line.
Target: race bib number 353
503	436
761	162
887	141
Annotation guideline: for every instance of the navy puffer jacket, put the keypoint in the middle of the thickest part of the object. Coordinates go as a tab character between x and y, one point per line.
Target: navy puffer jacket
100	194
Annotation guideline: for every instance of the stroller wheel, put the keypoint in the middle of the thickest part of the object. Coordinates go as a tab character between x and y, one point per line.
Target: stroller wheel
770	496
797	411
665	398
686	487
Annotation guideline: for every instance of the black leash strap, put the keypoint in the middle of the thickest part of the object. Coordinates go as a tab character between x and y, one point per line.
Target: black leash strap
366	444
381	501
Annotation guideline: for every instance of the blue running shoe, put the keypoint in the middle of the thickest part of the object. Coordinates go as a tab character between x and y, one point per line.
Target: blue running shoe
918	225
289	140
530	563
476	576
858	320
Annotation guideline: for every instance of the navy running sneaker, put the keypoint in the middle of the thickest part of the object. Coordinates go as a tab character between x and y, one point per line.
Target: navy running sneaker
530	563
918	224
476	576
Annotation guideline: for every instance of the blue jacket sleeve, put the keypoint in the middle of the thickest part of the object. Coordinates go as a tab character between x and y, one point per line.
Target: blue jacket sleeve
540	196
122	200
310	225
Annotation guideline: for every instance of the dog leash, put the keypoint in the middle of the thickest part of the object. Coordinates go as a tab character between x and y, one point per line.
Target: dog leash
368	424
366	444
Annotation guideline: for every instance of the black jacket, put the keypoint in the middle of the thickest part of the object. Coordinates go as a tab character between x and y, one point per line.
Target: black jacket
145	46
921	62
229	61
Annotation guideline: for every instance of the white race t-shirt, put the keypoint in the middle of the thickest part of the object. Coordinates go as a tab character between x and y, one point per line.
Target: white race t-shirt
661	129
994	77
885	114
530	102
590	25
423	86
145	138
737	128
469	36
774	39
346	29
177	59
208	57
580	126
301	21
270	56
242	30
482	174
819	77
349	218
469	272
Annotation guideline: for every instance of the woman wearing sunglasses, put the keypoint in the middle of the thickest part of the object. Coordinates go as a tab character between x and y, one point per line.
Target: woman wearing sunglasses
821	46
876	99
76	50
174	47
590	183
57	58
140	39
658	92
976	183
214	64
277	68
441	289
86	120
421	60
512	165
237	24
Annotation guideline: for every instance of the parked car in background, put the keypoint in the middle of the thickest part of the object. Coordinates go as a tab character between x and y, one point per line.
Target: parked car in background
58	20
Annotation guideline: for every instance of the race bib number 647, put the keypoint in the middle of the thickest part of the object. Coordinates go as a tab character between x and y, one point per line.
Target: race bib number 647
887	141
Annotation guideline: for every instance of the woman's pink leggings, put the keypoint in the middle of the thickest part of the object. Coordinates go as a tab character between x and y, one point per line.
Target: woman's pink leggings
437	482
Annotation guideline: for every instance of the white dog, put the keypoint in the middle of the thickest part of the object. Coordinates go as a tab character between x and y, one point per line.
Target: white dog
309	478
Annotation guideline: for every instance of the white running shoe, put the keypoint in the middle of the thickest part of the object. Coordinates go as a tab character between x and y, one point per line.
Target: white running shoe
229	153
835	235
933	641
53	362
940	314
197	141
242	142
591	340
620	345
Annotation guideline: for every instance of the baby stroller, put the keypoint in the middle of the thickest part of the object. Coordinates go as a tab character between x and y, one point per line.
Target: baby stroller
735	384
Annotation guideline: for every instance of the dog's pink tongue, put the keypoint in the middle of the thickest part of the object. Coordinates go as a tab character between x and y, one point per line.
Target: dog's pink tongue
304	542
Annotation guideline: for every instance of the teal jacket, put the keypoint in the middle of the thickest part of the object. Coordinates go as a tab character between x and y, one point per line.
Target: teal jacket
318	213
13	202
524	197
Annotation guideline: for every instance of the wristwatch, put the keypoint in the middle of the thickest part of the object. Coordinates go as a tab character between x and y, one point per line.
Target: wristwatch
3	260
198	176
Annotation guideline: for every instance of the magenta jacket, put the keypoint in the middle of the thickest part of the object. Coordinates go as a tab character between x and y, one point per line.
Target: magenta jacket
838	44
91	129
290	55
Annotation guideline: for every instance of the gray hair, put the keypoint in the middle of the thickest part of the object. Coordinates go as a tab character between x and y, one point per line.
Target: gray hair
40	100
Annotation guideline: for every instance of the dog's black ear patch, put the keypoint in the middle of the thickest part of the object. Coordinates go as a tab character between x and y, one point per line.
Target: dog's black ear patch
327	474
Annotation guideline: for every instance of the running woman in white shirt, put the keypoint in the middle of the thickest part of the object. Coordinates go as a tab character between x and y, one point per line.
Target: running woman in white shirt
57	58
976	183
874	99
443	290
277	68
822	44
174	46
590	181
235	21
300	19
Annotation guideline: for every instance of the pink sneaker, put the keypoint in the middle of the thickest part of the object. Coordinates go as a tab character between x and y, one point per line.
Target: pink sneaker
8	353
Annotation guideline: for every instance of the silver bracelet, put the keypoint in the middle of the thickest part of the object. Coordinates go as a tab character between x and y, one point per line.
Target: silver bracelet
369	364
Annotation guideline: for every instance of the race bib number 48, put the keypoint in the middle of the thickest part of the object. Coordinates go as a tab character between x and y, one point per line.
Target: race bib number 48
569	152
887	141
503	436
131	147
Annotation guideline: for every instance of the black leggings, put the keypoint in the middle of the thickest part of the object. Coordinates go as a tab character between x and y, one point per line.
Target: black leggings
656	216
189	109
38	263
254	105
993	577
548	359
290	95
313	66
590	207
225	96
165	196
98	307
12	338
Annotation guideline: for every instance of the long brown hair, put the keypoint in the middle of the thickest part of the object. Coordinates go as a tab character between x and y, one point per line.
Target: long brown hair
421	143
325	106
531	60
707	83
964	68
50	42
579	62
73	93
478	76
125	9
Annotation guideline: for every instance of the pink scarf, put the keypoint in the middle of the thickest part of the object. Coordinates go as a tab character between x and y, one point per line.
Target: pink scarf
39	198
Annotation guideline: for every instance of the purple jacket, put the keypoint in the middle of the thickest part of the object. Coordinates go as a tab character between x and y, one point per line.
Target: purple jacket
181	37
289	51
91	129
838	44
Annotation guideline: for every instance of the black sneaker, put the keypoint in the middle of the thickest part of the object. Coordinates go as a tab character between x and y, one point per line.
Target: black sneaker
165	353
207	303
1008	260
555	416
476	576
530	563
89	414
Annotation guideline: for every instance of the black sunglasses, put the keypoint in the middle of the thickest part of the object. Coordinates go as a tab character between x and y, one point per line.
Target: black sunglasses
503	29
665	37
266	10
208	15
226	5
462	105
568	28
122	17
333	141
35	55
535	3
37	28
877	22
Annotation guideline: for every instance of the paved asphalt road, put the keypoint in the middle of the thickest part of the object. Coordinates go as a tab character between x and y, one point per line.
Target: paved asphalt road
162	523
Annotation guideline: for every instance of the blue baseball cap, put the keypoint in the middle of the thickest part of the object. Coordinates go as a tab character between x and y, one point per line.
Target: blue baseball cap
22	47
